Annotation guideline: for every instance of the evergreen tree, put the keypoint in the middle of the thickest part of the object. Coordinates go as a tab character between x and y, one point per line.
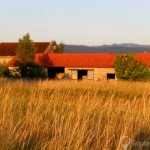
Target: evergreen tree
127	68
26	49
25	53
60	48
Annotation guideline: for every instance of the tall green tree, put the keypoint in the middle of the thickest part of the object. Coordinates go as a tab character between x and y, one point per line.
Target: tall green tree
60	48
128	68
25	53
26	49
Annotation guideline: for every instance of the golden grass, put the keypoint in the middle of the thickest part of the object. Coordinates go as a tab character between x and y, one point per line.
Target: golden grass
67	115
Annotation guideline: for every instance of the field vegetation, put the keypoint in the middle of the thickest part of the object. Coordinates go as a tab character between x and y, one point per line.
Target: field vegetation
68	115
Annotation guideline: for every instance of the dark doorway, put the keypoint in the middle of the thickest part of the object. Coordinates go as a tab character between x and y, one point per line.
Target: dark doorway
52	71
82	74
110	76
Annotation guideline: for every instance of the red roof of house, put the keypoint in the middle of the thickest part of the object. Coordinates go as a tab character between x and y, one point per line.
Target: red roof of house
8	49
81	60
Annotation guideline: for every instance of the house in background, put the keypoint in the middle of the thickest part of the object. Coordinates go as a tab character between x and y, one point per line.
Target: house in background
8	50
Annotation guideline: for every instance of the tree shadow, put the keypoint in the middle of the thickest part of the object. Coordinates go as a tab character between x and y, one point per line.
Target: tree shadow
44	60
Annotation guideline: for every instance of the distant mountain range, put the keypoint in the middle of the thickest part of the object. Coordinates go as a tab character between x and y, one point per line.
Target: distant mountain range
114	48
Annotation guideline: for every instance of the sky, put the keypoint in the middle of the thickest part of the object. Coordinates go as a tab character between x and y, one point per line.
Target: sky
79	22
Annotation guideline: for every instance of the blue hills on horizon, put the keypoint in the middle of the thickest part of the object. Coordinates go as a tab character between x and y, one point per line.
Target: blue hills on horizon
114	48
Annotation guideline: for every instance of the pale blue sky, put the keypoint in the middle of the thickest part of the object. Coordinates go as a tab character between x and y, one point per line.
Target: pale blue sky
88	22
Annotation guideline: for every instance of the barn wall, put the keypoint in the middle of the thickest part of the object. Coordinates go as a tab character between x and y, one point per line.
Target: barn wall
68	70
102	72
5	59
99	73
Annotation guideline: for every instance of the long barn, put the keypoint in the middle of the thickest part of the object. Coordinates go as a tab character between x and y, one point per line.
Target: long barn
81	66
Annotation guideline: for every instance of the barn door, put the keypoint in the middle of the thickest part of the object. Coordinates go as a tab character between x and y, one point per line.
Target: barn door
90	75
74	74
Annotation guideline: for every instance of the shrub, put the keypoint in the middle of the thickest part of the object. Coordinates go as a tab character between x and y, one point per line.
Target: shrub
31	70
4	70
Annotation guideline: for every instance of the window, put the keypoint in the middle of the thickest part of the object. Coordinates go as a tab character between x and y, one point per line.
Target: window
110	76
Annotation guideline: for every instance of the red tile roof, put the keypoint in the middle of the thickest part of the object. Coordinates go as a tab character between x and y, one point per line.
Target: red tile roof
8	49
76	60
73	60
81	60
145	58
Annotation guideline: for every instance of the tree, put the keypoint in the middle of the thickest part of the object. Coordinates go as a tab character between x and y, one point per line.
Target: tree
26	49
59	48
141	73
128	68
25	53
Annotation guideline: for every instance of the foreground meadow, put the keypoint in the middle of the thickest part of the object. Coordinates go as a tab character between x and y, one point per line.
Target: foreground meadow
63	115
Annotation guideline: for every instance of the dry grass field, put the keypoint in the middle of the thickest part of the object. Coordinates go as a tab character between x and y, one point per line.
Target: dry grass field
64	115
